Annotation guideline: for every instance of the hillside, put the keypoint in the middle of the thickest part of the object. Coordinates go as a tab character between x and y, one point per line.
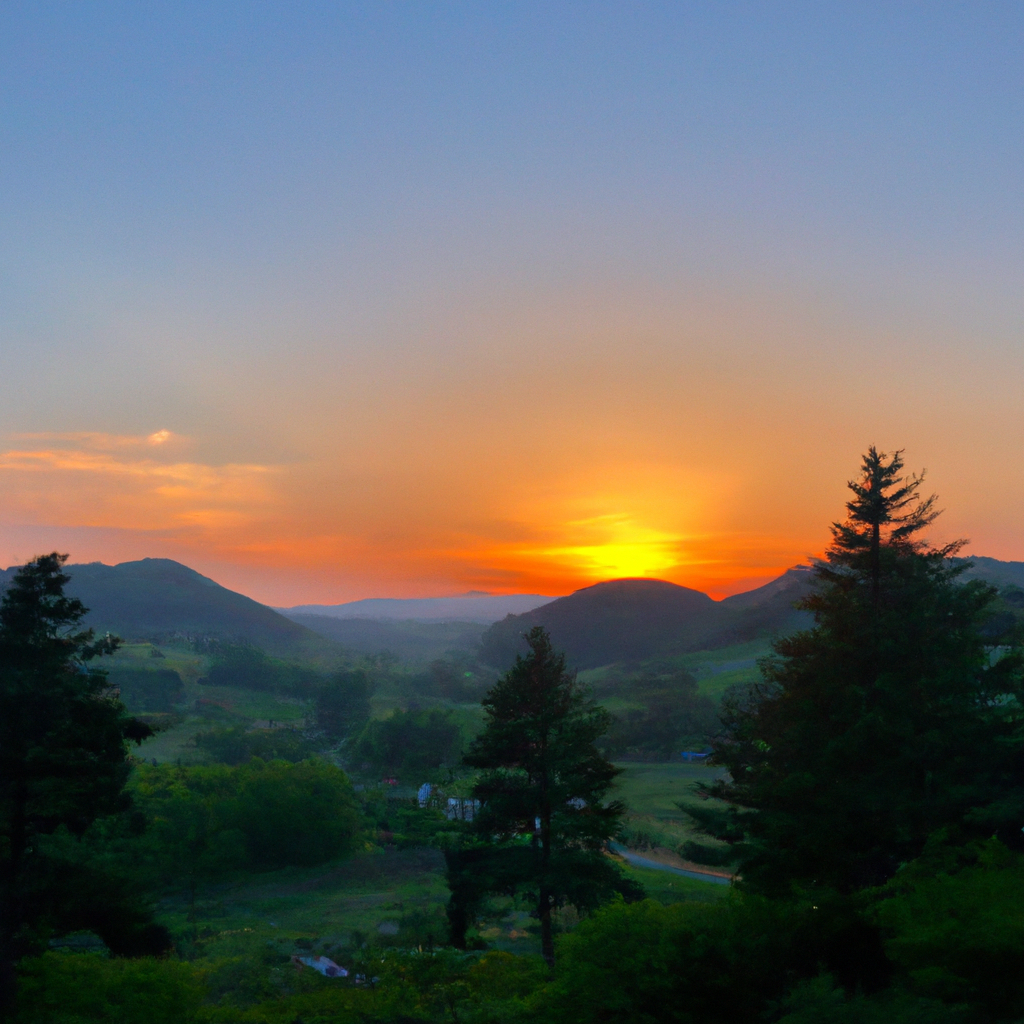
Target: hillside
999	574
160	599
635	619
620	620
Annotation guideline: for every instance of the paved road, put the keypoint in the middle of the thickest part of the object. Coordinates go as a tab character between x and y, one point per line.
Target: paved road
645	862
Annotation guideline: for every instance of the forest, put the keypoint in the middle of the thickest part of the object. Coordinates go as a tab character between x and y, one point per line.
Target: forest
820	819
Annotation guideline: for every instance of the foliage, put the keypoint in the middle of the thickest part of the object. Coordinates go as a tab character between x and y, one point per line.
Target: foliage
63	746
240	664
645	963
153	690
452	678
884	722
955	931
82	988
236	744
411	744
674	716
343	704
212	819
821	1001
403	823
543	823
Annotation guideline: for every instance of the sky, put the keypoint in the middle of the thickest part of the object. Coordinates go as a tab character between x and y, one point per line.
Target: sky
343	300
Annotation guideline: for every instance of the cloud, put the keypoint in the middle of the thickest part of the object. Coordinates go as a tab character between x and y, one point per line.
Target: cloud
103	480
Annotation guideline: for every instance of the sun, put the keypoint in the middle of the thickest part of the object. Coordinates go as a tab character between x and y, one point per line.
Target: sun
619	547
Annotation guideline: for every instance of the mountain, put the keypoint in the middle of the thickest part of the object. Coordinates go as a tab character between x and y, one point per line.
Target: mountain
471	607
615	621
636	619
159	599
991	570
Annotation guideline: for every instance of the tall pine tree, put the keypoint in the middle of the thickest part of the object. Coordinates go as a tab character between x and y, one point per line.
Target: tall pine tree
884	722
543	823
63	756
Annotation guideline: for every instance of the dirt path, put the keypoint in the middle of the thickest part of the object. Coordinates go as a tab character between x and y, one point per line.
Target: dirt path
692	871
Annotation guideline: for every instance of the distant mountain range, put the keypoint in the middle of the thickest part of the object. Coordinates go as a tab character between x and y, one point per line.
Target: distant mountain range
472	607
621	620
636	619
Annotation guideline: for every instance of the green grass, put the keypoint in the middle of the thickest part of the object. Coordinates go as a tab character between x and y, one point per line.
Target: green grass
652	793
655	788
189	665
667	887
379	898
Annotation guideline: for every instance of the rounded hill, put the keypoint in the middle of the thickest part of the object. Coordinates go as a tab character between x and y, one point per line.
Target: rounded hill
620	620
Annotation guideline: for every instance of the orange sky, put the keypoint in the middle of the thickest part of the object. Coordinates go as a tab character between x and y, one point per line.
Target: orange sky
537	453
350	300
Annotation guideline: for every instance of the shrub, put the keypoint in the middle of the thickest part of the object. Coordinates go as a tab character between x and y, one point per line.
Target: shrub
411	743
237	744
79	988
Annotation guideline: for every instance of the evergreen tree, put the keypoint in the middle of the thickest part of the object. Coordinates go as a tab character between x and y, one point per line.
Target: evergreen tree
63	754
886	721
543	823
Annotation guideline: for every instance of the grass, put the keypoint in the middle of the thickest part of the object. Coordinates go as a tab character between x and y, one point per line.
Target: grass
666	887
330	906
655	788
381	898
653	793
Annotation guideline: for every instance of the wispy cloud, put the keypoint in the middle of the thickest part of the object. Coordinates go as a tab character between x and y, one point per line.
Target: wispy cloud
93	479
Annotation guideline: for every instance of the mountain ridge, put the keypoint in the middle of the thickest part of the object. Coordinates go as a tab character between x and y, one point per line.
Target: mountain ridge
161	599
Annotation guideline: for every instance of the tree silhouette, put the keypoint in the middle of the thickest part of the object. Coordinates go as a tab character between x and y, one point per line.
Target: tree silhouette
886	721
543	823
63	743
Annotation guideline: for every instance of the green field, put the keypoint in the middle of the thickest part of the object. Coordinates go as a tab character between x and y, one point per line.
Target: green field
381	897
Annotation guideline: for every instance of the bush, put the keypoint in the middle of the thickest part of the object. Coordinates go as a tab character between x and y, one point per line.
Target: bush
237	744
211	819
250	668
152	690
959	935
643	963
411	743
79	988
302	813
343	704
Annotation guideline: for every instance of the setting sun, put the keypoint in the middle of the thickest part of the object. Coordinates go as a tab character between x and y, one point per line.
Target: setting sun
627	549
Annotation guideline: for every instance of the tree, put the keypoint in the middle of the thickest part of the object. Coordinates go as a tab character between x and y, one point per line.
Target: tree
543	824
411	744
884	722
343	704
63	741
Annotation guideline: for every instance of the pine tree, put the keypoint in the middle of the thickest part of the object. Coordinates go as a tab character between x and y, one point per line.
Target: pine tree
883	723
63	734
543	823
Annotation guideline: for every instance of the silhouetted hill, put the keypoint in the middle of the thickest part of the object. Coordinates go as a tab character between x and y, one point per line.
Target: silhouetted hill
619	620
636	619
999	574
790	586
160	599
